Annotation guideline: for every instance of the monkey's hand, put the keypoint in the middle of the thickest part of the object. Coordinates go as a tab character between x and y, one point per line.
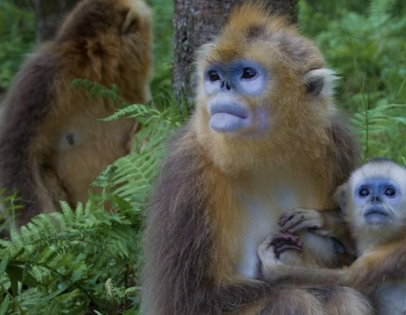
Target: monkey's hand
300	219
269	251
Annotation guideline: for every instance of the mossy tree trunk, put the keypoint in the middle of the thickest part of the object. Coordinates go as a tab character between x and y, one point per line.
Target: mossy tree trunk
197	22
49	15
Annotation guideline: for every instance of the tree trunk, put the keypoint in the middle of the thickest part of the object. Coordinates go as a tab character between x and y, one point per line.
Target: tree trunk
49	15
198	21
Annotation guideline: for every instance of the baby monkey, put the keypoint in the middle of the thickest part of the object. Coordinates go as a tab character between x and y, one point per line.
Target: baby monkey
373	203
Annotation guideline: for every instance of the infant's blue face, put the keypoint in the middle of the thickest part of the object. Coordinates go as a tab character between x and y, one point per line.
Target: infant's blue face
379	199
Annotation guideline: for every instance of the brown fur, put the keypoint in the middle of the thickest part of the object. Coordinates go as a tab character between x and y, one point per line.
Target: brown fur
52	144
197	218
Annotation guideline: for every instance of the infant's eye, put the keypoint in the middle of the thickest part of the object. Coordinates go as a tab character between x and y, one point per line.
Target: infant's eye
389	191
363	192
214	76
248	73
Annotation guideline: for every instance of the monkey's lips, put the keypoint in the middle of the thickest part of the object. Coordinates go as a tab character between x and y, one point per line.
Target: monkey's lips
376	216
229	117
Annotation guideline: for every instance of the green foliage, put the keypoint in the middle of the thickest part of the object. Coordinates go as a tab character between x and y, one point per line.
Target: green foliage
163	52
88	258
365	41
6	217
17	37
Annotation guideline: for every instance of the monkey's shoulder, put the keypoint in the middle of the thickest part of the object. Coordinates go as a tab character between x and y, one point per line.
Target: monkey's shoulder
28	100
32	86
182	185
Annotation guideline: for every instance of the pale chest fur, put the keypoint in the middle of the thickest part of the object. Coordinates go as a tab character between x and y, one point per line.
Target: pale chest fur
262	205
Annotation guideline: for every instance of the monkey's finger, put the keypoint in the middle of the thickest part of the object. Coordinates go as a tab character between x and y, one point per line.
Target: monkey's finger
283	243
295	243
286	217
305	225
293	222
283	237
284	248
298	211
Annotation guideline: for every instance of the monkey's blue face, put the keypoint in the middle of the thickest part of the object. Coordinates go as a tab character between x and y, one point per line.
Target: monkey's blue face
380	200
228	85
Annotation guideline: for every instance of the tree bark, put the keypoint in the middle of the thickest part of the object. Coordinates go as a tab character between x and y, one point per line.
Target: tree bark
49	15
198	21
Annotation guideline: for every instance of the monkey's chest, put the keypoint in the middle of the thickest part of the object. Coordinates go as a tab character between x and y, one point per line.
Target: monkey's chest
262	210
87	146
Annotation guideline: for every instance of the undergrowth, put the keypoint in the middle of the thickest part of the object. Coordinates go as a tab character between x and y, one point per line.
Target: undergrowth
88	258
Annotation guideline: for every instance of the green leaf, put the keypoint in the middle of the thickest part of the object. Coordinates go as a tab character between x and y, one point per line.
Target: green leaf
4	305
3	266
16	274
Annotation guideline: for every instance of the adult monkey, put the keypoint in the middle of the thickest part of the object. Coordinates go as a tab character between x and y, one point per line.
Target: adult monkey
265	139
52	142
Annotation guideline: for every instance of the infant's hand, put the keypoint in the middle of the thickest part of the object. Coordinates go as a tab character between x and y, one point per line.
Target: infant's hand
300	219
270	250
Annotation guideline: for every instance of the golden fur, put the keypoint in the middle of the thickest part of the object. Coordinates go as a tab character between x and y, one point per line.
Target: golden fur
219	195
104	41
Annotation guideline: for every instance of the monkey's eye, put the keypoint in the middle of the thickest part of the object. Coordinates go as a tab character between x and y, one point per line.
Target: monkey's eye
248	73
363	192
214	76
389	191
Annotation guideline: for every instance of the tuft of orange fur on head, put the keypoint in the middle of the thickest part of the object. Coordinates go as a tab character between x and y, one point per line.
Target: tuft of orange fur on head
252	18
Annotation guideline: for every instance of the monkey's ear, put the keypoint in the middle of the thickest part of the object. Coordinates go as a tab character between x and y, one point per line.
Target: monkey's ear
340	197
320	82
130	22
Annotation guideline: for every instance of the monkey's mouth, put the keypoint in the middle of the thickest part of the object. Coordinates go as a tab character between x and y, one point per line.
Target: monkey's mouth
376	216
228	117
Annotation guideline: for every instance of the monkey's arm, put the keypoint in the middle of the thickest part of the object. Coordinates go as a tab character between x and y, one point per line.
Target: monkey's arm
23	111
327	223
273	270
382	263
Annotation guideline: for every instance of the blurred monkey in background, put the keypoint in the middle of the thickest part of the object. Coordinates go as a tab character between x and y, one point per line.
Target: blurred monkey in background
52	142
